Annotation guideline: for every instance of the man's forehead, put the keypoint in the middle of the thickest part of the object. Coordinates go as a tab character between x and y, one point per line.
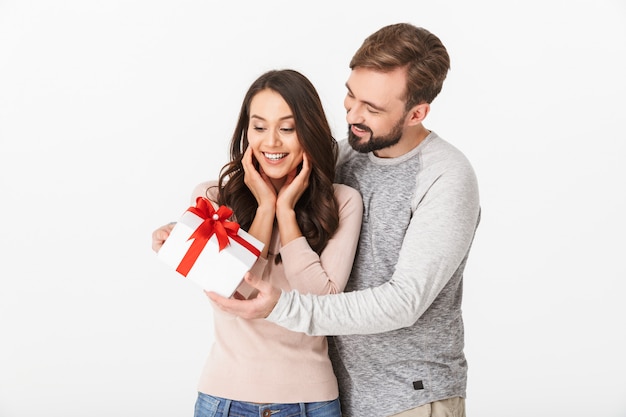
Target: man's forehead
382	88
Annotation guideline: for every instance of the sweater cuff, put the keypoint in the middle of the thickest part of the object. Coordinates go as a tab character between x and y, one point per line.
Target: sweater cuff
280	307
259	267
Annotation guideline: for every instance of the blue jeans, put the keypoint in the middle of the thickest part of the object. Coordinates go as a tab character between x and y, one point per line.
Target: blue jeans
209	406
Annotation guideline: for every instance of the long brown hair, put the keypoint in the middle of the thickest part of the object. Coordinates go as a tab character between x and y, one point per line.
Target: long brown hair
317	212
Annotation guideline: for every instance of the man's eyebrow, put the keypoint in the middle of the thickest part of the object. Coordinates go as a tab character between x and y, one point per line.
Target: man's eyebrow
369	103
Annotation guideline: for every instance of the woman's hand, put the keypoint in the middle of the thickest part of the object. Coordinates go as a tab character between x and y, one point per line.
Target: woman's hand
262	189
160	235
288	196
258	183
294	187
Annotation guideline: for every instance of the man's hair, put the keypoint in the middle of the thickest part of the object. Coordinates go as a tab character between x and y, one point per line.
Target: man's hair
416	49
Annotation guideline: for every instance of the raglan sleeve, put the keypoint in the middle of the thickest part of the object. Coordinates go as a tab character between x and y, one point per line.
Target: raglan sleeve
436	242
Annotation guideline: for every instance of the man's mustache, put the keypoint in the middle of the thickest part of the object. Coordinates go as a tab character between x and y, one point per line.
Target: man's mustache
361	127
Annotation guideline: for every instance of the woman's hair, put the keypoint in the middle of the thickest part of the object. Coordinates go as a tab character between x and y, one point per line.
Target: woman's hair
403	45
317	213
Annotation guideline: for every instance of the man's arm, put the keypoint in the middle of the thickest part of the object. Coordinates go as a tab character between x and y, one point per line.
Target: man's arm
436	244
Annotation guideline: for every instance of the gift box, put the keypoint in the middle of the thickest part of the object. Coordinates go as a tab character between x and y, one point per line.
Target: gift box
209	250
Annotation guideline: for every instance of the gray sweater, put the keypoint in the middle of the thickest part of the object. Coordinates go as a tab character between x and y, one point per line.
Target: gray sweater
398	330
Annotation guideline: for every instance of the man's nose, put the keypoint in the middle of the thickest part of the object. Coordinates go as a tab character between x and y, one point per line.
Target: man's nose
354	115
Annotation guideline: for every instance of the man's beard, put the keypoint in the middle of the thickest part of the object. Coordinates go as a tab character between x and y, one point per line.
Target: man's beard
375	143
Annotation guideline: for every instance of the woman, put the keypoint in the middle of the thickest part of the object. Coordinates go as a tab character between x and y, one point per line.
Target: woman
279	185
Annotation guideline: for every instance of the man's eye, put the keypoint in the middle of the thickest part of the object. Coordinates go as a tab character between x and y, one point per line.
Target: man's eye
373	111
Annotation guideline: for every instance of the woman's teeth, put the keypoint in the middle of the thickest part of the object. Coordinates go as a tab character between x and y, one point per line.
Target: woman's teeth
274	156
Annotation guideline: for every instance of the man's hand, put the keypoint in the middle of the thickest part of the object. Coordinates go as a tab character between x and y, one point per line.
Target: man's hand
256	308
160	235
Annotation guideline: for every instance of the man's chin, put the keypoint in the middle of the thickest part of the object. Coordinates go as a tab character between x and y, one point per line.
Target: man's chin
359	143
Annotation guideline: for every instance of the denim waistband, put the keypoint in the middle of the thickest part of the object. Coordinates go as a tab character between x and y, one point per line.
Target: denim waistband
223	407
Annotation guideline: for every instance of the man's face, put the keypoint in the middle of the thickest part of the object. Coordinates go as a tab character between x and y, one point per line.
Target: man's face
375	108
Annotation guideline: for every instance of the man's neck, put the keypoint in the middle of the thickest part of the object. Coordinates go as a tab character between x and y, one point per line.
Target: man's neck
410	139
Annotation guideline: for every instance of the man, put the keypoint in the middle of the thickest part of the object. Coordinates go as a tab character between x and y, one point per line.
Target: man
398	331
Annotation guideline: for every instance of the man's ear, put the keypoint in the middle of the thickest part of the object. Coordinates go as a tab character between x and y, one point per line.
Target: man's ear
418	113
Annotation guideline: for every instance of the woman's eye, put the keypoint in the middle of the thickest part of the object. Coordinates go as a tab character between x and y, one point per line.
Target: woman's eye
258	128
287	129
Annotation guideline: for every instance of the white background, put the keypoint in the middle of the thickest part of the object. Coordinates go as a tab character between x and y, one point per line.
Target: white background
112	111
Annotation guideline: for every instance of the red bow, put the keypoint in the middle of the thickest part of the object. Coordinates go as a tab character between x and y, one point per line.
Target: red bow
214	223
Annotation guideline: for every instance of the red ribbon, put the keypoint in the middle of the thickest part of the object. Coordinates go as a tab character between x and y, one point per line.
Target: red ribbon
214	223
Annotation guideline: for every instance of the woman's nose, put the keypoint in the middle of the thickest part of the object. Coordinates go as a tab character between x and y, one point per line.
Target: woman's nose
273	137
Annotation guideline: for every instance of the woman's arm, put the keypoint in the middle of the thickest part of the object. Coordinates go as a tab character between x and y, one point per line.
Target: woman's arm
327	273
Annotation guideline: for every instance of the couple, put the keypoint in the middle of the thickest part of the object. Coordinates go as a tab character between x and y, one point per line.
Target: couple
395	197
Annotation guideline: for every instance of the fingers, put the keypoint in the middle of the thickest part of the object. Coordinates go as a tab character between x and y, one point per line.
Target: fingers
257	181
254	280
242	308
246	161
302	177
306	166
304	173
295	186
160	235
256	308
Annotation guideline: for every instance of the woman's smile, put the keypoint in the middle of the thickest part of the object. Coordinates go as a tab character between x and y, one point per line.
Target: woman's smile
274	157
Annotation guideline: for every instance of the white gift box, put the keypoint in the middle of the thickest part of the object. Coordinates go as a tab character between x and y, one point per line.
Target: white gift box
215	270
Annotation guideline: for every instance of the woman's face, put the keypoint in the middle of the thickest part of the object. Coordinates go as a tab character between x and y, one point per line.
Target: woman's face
272	136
